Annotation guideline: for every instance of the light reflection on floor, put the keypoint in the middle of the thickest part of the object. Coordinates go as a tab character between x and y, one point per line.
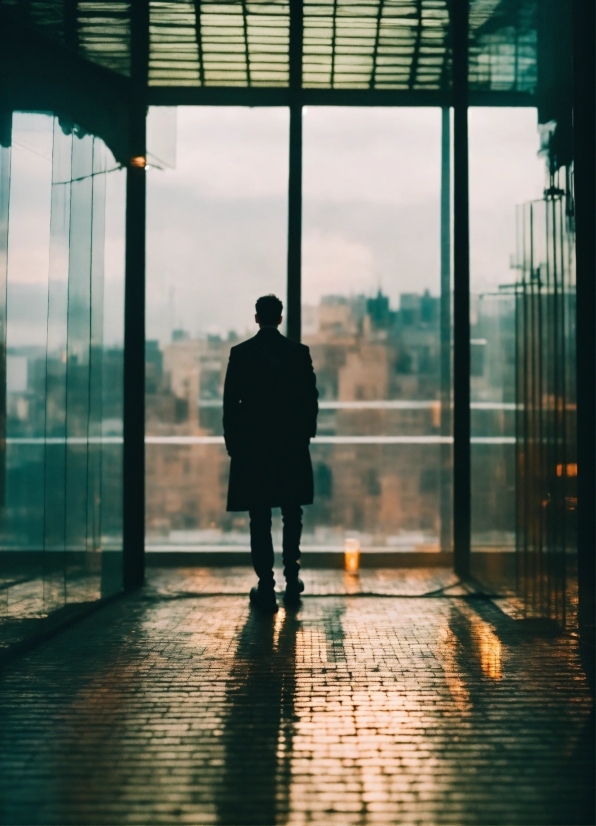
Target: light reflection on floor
173	708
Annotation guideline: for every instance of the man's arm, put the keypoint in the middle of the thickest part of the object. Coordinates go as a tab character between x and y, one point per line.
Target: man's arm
231	404
311	395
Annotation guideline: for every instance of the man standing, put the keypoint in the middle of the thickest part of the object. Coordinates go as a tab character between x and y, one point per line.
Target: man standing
270	416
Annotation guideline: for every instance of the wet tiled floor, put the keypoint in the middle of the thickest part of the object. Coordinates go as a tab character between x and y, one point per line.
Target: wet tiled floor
180	705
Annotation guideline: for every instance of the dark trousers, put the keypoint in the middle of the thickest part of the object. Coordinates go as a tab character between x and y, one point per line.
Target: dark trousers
261	544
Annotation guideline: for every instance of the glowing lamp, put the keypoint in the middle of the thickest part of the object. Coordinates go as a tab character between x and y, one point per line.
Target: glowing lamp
139	162
352	555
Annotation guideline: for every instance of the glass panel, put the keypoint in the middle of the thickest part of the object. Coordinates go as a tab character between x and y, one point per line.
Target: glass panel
26	314
77	356
60	456
56	360
112	378
28	263
371	317
546	406
503	45
505	171
216	240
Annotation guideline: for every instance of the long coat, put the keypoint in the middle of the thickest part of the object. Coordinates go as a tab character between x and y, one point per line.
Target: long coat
270	415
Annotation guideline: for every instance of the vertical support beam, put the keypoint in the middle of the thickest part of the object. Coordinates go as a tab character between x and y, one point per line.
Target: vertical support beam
134	309
445	332
294	272
461	293
294	299
584	138
71	24
5	164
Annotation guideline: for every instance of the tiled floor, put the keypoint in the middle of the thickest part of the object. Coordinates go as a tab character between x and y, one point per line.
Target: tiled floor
179	705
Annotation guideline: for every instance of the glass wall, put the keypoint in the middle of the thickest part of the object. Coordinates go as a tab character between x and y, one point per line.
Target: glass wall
216	241
61	539
505	171
371	313
546	449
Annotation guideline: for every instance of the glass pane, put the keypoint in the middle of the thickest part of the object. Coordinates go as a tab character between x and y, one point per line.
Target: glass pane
56	360
216	241
371	317
546	449
112	378
58	463
505	171
28	263
26	314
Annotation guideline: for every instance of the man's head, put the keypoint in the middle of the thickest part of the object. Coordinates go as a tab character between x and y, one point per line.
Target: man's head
268	311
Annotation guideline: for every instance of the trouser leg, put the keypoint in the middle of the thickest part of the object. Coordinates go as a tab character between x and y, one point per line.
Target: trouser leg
292	519
261	546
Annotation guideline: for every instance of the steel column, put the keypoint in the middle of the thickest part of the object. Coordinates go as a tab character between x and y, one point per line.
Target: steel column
134	309
294	271
445	333
461	293
5	166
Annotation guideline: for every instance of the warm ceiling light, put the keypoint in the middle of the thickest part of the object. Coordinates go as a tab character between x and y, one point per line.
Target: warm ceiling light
140	162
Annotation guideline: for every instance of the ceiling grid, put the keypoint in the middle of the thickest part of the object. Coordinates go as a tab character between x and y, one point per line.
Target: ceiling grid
346	44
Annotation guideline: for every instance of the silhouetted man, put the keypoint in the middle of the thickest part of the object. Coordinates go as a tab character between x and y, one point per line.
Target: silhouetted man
270	415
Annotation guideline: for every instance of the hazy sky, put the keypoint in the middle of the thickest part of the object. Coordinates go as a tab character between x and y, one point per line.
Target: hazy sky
217	223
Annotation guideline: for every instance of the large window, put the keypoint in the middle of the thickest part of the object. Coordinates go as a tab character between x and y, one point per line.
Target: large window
375	314
505	172
216	241
217	228
371	316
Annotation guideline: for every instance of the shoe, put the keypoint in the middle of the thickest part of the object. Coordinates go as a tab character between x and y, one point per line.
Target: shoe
263	600
294	587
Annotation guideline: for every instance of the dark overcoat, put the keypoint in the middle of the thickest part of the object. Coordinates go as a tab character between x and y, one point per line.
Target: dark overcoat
270	415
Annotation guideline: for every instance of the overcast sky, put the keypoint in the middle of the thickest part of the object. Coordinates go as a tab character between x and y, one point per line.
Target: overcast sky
217	222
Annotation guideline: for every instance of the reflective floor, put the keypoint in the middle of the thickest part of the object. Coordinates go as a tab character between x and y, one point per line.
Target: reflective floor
179	705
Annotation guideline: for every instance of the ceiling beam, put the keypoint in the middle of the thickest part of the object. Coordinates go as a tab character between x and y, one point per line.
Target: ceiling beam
238	96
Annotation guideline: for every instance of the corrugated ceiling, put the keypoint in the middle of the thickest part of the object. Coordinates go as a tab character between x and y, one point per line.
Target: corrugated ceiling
346	44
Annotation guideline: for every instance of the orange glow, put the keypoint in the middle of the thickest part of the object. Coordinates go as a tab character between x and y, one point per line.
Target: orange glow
139	162
447	649
351	583
489	647
436	414
571	469
352	555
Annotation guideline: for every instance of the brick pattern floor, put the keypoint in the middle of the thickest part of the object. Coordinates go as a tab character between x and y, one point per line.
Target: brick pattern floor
177	706
318	582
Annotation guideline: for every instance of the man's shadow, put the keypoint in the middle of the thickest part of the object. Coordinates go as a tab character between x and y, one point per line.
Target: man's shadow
258	730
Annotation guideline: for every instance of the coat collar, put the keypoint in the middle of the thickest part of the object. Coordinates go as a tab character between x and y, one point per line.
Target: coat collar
268	331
